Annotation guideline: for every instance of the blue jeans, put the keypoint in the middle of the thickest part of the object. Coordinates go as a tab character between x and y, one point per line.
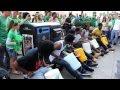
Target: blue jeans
4	58
114	36
39	74
68	68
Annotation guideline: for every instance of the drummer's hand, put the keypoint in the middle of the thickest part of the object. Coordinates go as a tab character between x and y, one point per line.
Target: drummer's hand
77	55
49	65
58	58
103	35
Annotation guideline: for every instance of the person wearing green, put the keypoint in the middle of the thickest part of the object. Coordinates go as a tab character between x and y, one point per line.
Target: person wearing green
25	19
47	17
40	18
13	44
110	26
60	19
93	20
20	15
97	22
84	18
3	36
14	17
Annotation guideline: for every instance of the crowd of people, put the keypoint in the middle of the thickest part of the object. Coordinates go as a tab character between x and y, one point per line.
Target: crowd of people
105	32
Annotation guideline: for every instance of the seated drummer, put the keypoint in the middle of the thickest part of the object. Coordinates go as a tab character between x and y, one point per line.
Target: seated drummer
36	59
77	43
97	34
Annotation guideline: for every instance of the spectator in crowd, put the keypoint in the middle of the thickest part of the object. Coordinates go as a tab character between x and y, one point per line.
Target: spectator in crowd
67	25
11	42
47	16
93	19
111	23
14	17
97	21
26	18
105	26
40	18
59	17
54	18
69	18
63	19
20	15
34	19
3	36
115	31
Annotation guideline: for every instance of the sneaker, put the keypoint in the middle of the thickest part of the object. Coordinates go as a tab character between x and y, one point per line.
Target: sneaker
102	54
111	49
86	74
114	44
105	52
79	75
92	64
89	69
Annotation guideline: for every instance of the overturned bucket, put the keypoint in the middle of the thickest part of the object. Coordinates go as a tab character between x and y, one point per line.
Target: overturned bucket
53	74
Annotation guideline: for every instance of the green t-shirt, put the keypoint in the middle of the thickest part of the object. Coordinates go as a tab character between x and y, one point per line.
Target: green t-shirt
16	20
93	20
11	35
84	18
46	18
3	30
113	22
14	38
60	19
96	23
26	22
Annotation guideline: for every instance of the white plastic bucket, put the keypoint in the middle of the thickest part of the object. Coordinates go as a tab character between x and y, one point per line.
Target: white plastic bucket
72	60
53	74
94	43
87	47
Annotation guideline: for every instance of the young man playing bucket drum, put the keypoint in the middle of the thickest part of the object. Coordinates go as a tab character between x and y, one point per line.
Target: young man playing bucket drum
34	62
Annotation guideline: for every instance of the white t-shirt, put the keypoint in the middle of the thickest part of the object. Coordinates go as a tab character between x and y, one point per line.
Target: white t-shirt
77	37
116	25
57	52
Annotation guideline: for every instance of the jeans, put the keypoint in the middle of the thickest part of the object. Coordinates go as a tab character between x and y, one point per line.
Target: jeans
114	36
4	58
68	68
109	34
39	74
